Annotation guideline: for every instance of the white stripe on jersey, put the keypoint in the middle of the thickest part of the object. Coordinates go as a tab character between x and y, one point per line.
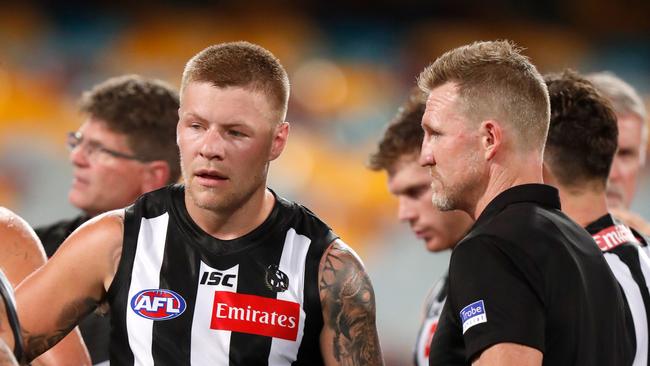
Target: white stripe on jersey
292	263
210	345
145	275
635	303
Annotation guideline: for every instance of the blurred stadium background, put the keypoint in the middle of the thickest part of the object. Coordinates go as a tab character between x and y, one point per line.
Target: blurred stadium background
350	65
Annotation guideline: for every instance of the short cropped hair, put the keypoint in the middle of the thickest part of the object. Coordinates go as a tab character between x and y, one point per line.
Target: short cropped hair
495	82
144	110
624	98
241	64
404	133
583	135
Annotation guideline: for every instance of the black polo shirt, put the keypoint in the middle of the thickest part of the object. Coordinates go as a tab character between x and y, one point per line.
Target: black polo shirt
527	274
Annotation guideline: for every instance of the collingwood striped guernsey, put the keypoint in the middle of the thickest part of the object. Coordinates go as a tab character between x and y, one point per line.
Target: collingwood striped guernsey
183	297
432	309
630	264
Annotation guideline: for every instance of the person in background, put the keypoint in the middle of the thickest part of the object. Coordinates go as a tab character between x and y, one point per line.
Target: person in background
581	144
632	119
125	147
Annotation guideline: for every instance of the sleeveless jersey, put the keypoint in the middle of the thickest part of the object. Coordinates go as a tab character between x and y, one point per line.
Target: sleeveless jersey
432	310
183	297
630	264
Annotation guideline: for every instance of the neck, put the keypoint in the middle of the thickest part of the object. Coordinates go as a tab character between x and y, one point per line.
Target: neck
236	222
506	175
583	205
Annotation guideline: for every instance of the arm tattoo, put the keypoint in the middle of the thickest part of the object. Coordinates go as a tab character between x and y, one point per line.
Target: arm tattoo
349	303
36	344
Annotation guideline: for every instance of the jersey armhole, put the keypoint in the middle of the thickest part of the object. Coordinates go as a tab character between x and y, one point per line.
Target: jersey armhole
130	228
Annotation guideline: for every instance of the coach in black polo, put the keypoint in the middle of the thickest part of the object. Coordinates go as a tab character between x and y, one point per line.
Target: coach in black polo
527	286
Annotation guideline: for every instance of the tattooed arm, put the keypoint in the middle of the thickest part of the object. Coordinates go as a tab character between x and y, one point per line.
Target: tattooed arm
55	298
349	336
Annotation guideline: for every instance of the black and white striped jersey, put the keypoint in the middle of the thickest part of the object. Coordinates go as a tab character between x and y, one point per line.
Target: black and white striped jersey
432	310
630	264
183	297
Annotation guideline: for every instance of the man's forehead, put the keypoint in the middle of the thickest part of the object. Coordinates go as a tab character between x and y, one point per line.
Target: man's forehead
407	172
443	94
630	121
93	126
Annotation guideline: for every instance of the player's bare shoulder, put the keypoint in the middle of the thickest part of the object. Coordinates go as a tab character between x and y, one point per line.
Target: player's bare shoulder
20	250
99	241
348	300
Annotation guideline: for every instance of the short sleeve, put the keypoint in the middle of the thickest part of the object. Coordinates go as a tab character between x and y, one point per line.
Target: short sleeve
494	295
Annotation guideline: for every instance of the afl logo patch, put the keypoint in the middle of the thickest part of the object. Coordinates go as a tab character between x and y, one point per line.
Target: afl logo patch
158	304
276	280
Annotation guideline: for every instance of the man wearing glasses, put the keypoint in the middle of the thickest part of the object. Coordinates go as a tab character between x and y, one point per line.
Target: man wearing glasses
125	147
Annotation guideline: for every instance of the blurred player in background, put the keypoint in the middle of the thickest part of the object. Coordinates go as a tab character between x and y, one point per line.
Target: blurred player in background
630	157
581	145
21	254
125	147
397	154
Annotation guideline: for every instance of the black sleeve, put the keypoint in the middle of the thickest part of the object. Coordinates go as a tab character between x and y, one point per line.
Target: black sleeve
493	297
52	236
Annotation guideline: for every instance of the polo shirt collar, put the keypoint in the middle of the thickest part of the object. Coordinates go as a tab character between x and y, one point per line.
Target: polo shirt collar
540	194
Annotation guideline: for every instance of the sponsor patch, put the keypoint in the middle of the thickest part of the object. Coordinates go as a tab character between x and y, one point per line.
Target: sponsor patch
614	236
158	304
217	277
255	315
473	314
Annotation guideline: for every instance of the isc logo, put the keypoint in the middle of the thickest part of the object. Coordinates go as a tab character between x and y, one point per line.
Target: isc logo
216	278
158	304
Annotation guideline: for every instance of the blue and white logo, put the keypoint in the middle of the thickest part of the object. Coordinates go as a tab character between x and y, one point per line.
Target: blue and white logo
158	304
473	314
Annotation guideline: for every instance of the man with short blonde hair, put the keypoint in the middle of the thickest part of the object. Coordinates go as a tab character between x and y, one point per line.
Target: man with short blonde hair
397	154
524	265
495	81
220	270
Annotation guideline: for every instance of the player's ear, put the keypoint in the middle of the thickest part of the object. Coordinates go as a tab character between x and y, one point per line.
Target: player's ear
280	136
491	135
155	175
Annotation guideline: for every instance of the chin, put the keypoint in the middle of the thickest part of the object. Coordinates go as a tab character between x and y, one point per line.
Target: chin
615	201
77	201
434	246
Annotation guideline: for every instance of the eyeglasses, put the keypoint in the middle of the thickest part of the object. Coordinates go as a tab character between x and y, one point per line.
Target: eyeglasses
94	149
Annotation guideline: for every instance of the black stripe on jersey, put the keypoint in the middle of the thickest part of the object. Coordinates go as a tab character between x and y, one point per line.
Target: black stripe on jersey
118	292
309	352
253	349
629	255
175	275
